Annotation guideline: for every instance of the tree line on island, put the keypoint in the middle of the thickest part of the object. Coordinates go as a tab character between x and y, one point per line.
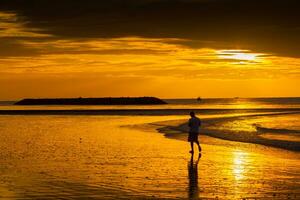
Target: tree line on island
93	101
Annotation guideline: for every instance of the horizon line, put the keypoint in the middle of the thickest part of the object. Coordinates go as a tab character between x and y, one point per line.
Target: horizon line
178	98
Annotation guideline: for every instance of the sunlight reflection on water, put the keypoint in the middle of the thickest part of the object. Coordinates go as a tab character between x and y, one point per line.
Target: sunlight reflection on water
239	161
93	157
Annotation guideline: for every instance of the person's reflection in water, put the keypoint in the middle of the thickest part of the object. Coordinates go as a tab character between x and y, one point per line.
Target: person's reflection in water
193	177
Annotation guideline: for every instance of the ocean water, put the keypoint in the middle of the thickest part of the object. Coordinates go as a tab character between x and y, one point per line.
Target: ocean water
279	129
102	157
267	121
99	155
213	103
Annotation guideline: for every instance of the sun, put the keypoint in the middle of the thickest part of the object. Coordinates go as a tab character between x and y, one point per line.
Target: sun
241	55
244	56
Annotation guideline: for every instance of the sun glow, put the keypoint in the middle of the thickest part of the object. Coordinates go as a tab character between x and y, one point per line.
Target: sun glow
239	160
242	55
68	67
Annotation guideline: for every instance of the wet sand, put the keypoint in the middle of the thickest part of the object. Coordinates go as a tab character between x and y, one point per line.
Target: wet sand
236	170
105	157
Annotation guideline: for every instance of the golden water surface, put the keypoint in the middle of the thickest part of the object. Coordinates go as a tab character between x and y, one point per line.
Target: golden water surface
99	157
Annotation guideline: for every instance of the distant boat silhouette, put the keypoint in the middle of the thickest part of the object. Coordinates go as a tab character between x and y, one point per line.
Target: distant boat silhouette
199	99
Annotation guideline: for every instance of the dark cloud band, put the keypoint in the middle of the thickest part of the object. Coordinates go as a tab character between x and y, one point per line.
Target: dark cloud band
271	26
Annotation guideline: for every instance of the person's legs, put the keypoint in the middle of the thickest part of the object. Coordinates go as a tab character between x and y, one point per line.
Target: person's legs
199	147
192	147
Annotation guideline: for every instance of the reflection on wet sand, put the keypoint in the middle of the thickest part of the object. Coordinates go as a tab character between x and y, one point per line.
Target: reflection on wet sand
92	157
193	177
239	160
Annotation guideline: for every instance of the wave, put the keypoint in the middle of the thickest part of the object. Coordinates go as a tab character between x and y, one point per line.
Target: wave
261	129
213	128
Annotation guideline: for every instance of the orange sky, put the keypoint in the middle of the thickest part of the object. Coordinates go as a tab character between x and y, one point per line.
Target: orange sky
41	65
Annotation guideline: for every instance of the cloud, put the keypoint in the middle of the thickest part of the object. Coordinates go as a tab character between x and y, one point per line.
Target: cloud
260	25
147	58
156	43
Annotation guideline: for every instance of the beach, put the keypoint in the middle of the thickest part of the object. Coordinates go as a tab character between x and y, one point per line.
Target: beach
105	100
127	157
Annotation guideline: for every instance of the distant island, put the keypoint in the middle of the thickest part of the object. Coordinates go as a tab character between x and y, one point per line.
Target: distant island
94	101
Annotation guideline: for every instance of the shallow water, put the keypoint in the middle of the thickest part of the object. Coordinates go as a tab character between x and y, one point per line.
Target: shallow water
281	128
99	157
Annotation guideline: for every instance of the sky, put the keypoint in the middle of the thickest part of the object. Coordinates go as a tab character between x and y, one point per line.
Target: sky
162	48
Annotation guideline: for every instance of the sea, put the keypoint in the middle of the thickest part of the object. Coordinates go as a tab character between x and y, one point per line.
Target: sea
92	152
205	103
274	120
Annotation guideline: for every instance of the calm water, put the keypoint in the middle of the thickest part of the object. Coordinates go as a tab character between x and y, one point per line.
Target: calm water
99	157
103	157
228	103
280	123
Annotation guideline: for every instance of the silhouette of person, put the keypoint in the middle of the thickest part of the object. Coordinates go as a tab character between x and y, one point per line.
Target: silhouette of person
193	189
194	124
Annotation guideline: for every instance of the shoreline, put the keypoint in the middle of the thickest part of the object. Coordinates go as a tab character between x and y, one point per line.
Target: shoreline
142	111
178	129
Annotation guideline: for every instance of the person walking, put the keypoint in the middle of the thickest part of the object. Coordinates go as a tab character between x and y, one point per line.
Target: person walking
194	124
